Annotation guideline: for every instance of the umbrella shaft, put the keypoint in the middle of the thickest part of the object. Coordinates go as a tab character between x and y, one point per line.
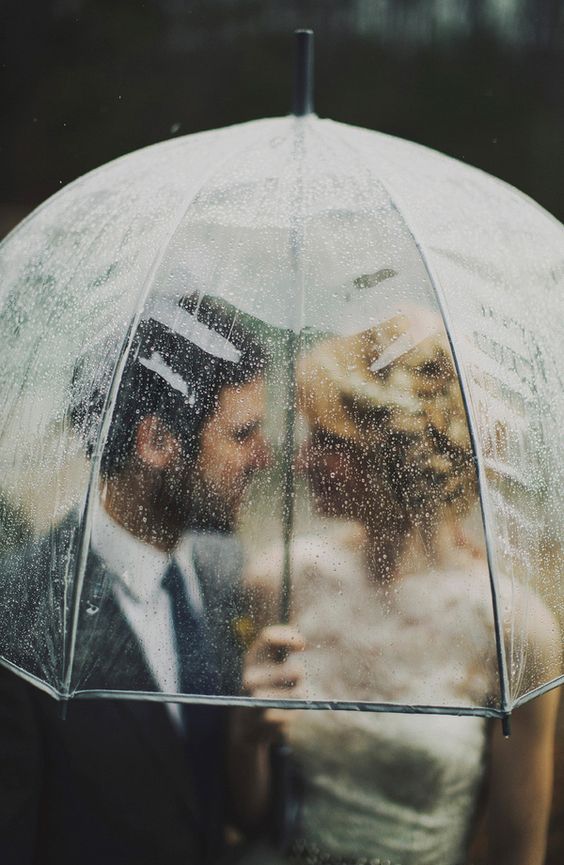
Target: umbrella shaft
303	74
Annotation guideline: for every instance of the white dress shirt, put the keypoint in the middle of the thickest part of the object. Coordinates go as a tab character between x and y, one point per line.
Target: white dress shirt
138	570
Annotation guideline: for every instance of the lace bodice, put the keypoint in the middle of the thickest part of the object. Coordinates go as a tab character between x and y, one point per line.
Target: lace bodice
399	787
427	639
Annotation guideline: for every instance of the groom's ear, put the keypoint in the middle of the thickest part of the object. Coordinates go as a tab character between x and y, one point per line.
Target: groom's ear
155	445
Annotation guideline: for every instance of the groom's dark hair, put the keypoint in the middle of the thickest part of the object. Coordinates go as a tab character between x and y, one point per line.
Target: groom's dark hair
182	356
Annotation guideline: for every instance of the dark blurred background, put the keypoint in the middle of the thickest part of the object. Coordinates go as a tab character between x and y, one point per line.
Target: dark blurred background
84	81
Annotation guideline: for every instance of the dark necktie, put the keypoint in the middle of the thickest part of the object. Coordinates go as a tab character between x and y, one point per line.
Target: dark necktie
196	657
198	673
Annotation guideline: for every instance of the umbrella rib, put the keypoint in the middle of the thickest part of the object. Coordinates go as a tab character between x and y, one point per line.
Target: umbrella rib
110	402
538	692
48	320
297	231
480	468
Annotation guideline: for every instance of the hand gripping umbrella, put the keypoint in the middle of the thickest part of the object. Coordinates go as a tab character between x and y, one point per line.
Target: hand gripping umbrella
405	311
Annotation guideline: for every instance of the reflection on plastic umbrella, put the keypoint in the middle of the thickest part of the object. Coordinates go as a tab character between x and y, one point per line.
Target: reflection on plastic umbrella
300	231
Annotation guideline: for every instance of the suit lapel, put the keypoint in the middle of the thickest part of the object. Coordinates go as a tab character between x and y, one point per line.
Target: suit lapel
109	657
108	654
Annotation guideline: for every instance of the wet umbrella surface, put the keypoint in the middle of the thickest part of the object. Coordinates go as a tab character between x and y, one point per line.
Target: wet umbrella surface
291	367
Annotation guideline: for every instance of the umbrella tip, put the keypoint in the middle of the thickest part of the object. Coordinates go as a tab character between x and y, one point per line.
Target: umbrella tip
506	726
303	73
63	706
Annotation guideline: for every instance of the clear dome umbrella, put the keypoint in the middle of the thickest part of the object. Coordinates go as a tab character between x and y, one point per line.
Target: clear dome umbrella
350	344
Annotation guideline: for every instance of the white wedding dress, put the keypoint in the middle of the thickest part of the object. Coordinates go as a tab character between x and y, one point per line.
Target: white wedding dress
399	788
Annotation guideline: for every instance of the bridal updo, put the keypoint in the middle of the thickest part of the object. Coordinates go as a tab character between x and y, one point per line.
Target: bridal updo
394	399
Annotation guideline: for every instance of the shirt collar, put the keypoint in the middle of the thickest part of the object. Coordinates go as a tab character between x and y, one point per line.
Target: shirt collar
139	567
184	556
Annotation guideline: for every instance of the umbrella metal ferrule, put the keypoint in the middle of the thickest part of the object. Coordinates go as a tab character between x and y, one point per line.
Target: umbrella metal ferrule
303	74
506	726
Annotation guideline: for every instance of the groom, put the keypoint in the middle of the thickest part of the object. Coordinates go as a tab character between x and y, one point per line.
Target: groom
131	781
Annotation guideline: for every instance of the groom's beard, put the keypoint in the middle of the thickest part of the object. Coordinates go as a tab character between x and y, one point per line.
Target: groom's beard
191	502
211	509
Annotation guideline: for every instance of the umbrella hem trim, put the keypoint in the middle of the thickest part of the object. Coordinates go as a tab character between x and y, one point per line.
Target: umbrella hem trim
333	705
337	705
31	679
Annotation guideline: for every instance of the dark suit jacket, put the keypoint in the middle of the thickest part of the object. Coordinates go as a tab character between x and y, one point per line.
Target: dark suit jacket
113	783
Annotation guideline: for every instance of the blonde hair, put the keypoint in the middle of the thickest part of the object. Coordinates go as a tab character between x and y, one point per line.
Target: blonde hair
405	417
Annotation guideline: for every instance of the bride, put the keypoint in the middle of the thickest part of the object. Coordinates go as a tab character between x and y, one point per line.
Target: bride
393	602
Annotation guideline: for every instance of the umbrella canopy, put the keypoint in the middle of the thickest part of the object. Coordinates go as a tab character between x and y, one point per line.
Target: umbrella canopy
396	303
